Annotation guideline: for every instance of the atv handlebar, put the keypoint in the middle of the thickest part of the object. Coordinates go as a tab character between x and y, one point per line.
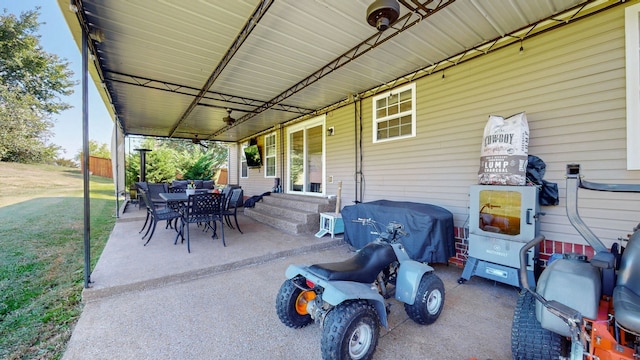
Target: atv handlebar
393	231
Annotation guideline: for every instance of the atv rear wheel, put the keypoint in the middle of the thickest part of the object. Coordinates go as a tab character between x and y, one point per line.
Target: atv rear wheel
429	300
291	305
350	331
529	341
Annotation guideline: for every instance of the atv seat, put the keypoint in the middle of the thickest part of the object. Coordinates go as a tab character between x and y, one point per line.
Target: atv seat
626	294
363	267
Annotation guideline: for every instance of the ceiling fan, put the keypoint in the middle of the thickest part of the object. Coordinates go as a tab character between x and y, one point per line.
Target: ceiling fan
196	141
228	119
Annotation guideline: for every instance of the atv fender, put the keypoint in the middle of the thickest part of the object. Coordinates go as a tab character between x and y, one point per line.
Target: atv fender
409	276
336	292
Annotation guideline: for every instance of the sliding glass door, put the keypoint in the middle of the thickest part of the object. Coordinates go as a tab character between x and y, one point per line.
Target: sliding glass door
306	158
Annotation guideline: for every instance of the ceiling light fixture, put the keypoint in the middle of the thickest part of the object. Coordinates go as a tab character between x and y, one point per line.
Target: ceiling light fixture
382	13
228	119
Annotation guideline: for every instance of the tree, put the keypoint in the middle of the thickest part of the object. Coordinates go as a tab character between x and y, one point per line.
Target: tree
23	133
31	84
171	159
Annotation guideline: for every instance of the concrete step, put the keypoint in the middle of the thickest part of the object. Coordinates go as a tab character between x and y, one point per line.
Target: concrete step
281	223
300	202
294	214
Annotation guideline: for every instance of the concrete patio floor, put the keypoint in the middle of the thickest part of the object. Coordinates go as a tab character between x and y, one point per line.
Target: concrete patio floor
160	302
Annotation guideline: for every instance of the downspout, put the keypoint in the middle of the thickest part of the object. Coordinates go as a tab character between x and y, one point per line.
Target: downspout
355	144
360	173
85	156
282	152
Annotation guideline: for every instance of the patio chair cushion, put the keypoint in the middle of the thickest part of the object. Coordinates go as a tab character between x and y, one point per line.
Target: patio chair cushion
179	184
142	185
208	184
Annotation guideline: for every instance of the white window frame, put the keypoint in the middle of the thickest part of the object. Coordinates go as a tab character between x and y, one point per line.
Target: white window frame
317	121
244	169
632	47
274	156
412	113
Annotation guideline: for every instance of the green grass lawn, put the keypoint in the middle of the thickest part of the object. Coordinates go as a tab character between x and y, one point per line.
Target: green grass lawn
41	255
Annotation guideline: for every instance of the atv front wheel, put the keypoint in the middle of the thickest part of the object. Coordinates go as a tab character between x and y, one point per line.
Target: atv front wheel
429	300
529	341
291	305
350	331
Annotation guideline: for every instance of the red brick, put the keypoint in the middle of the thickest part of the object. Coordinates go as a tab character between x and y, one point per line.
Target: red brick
579	248
456	262
557	247
547	246
588	250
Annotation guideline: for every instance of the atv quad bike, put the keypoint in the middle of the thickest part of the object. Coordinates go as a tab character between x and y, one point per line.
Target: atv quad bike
581	308
348	298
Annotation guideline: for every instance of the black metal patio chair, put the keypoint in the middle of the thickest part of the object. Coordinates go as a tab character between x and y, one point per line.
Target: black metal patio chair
231	207
154	193
140	186
155	214
141	202
204	208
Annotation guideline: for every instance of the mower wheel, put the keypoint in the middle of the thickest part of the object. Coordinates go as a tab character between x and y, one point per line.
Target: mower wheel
350	331
429	300
529	341
291	305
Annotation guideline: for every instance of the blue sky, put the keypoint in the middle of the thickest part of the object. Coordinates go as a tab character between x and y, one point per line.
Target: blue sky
56	39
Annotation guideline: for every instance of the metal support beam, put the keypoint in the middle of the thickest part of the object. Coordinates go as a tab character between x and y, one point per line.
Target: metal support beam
85	162
260	10
135	80
405	22
117	172
570	15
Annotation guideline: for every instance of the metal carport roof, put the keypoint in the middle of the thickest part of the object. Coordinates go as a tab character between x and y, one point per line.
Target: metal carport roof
173	68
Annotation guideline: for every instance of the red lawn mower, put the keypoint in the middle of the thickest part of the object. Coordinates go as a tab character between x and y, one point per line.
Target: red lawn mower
581	308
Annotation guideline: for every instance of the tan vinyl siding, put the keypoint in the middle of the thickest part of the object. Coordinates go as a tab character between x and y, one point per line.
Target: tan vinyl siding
234	163
340	153
571	84
255	183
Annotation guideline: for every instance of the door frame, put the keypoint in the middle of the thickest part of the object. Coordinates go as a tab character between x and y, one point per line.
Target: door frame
316	121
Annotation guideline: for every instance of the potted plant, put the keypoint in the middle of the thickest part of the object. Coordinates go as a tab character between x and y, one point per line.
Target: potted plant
191	188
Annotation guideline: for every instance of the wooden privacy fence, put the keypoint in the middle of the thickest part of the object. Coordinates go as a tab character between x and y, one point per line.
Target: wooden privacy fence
98	166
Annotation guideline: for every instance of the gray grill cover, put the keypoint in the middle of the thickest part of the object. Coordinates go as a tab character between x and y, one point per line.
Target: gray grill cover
430	227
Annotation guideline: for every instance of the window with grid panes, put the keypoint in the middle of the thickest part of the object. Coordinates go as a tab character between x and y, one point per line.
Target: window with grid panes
394	114
270	155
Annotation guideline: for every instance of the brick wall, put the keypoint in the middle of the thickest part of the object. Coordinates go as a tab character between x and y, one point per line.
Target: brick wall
547	248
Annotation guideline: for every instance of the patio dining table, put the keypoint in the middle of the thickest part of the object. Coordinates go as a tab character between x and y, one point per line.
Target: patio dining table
174	198
177	197
178	201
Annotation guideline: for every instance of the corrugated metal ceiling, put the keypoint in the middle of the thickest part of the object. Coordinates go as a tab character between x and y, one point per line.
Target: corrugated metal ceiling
156	56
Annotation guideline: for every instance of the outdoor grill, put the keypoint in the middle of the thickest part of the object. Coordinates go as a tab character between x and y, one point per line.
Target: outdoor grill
502	219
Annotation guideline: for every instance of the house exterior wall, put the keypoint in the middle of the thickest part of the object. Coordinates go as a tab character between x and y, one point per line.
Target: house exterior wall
255	183
571	84
233	163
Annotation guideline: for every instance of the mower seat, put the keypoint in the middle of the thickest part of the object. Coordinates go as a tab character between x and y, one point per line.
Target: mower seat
626	294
